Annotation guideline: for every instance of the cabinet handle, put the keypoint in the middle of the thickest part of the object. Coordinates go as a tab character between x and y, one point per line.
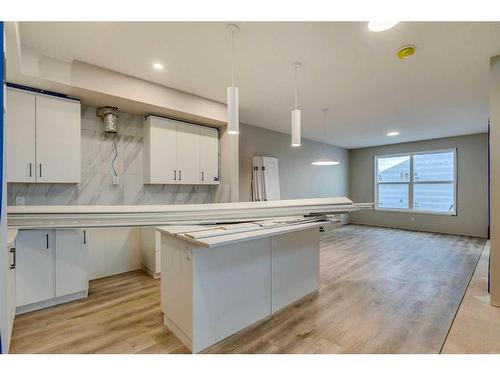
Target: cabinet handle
31	174
47	239
84	237
40	169
202	176
13	252
175	175
180	175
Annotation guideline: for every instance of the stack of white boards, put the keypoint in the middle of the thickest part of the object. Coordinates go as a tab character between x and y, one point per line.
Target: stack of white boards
265	179
218	280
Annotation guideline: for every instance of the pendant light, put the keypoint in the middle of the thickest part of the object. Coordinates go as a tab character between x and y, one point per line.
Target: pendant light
233	117
296	117
325	161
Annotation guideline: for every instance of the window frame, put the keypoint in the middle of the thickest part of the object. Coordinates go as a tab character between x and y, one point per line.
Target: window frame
411	183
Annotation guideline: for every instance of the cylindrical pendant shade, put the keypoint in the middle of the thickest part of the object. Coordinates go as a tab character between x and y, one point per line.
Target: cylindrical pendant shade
296	127
233	114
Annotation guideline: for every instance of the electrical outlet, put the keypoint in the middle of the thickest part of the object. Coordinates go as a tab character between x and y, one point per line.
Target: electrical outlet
412	218
116	180
20	201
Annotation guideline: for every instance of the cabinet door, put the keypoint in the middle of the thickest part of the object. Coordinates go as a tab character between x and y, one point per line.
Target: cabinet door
209	155
58	140
20	137
188	154
71	261
34	267
161	149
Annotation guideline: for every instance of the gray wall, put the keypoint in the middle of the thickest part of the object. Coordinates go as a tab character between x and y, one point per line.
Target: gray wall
298	178
472	192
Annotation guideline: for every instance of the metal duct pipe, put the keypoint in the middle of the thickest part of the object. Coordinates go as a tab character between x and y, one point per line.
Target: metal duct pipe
109	117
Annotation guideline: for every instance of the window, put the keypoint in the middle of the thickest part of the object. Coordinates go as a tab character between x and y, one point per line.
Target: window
422	182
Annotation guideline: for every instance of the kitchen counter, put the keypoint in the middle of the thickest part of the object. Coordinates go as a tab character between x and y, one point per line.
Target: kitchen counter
30	217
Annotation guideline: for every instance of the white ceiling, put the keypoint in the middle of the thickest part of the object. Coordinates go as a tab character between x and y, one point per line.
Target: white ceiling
441	91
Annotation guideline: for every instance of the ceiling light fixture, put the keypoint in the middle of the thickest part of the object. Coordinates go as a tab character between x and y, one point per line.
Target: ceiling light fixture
296	117
392	134
325	161
233	115
377	26
158	66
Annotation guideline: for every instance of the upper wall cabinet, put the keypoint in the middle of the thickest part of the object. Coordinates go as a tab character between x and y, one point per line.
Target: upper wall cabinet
179	153
43	138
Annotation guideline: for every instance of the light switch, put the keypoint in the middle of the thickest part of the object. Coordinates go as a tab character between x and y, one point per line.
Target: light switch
20	201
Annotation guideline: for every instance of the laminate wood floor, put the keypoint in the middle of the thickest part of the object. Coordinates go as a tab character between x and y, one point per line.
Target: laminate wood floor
476	328
382	291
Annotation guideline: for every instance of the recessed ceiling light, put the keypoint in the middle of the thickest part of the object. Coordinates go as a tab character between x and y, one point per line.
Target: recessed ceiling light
392	134
157	66
377	26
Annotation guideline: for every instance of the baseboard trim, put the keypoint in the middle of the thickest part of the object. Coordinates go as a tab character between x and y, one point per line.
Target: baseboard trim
51	302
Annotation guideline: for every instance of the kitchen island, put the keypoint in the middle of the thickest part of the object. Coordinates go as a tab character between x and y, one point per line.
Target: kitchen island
219	280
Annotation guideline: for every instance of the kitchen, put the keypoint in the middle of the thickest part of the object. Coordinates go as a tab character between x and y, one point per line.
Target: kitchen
156	202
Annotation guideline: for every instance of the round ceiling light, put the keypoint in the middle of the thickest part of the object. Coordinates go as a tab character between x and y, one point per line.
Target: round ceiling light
158	66
405	52
392	134
377	26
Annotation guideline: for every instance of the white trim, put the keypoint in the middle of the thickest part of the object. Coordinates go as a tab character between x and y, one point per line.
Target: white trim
411	183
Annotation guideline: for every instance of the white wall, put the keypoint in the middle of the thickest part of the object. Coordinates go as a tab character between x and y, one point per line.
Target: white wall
4	312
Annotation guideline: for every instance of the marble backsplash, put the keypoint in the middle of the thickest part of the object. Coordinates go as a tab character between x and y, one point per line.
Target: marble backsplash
96	187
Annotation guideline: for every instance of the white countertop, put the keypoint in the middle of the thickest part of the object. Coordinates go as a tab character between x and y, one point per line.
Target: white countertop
30	217
177	207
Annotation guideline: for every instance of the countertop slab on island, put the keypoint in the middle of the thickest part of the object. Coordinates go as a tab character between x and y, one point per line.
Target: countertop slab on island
247	233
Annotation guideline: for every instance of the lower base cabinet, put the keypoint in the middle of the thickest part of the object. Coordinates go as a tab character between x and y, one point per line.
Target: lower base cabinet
51	268
151	251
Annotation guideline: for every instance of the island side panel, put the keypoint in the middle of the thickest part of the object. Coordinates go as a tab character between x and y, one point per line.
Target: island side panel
232	289
177	287
294	266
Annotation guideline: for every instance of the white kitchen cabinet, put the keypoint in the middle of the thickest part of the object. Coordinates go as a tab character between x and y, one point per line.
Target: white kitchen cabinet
20	137
209	155
160	151
71	268
43	137
188	151
151	251
58	140
180	153
34	266
51	268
